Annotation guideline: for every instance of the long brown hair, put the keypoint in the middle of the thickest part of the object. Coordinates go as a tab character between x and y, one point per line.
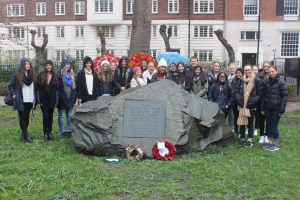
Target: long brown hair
65	71
102	73
44	77
264	73
20	74
136	79
202	75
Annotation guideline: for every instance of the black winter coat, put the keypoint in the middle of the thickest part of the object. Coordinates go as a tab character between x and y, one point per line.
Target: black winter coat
117	76
106	88
275	95
211	78
255	95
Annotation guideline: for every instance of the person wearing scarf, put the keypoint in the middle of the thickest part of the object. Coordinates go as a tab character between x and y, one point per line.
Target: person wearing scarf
200	83
162	72
273	106
67	96
248	93
221	93
22	89
147	75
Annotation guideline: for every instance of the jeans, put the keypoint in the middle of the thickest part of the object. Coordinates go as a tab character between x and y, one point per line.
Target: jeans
230	118
24	117
272	118
47	120
61	115
250	126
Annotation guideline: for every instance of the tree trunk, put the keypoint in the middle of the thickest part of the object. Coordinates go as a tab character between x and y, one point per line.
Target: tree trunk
103	43
141	27
40	51
163	33
230	51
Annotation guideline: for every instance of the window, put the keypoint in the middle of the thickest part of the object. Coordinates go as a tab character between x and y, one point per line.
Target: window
103	6
40	31
291	7
15	10
60	55
173	6
79	31
18	54
128	31
110	51
41	8
203	31
60	8
154	6
16	32
249	35
174	30
60	31
204	6
203	55
251	7
79	8
154	31
109	31
80	54
290	44
129	6
154	53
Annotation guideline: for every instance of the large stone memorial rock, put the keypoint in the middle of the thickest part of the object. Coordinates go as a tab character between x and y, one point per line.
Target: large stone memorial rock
143	116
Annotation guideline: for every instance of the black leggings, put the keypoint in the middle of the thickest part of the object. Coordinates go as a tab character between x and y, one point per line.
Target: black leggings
250	126
24	117
48	120
260	120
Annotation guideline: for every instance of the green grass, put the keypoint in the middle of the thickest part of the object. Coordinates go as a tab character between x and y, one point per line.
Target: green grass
54	170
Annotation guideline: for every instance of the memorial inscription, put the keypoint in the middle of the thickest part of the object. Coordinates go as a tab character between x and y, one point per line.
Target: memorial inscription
144	119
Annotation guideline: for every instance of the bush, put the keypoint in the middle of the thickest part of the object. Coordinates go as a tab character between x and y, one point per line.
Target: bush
3	88
292	90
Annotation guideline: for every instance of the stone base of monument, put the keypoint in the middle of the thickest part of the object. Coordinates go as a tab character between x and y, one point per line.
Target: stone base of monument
143	116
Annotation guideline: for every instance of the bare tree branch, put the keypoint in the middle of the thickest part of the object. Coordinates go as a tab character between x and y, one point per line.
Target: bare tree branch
230	51
163	33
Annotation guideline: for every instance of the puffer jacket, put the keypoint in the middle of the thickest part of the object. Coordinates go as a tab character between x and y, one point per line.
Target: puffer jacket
255	95
211	78
275	95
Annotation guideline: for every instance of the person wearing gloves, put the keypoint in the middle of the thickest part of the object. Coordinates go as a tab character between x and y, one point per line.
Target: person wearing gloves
47	96
162	72
67	96
147	75
106	84
137	80
273	106
22	89
122	76
87	87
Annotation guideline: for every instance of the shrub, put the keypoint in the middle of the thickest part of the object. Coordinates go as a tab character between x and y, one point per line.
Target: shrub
292	90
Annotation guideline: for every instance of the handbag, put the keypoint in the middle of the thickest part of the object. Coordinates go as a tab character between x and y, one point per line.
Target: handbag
8	100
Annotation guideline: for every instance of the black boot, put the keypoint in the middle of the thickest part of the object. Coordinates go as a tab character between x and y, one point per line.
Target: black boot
45	136
69	134
50	136
23	137
64	134
28	139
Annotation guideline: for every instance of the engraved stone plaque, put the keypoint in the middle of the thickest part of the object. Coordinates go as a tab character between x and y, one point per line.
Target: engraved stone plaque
144	119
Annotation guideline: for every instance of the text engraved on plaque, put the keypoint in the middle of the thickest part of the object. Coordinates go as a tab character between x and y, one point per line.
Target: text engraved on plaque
144	119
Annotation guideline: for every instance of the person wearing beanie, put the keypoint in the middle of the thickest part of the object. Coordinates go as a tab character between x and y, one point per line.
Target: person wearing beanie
105	80
87	84
137	80
47	96
122	76
222	93
162	72
199	82
147	75
67	96
22	89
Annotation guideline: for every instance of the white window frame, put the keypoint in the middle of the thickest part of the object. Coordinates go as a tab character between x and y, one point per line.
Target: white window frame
154	53
201	6
109	31
16	32
244	35
79	7
79	31
79	54
60	31
209	55
60	55
209	28
174	30
129	6
154	31
249	1
129	27
41	6
60	8
289	47
110	6
110	51
154	6
172	6
40	31
15	10
16	53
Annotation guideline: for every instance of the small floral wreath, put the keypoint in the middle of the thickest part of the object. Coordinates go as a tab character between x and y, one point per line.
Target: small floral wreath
163	150
134	152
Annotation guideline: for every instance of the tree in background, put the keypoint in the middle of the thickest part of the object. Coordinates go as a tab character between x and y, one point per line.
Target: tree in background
163	33
40	51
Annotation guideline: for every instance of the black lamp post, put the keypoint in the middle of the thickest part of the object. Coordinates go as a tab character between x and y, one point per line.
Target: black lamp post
274	51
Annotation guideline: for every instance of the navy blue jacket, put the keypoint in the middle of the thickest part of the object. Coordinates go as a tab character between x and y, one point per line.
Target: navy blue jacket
118	74
18	100
63	98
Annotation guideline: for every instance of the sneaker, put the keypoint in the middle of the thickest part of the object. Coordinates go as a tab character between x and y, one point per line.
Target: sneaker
248	144
233	130
273	147
246	132
266	147
261	140
242	143
255	132
266	139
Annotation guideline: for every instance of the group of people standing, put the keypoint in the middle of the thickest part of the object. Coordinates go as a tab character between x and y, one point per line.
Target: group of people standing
242	94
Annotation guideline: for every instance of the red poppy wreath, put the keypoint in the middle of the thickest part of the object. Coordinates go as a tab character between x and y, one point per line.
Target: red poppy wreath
163	150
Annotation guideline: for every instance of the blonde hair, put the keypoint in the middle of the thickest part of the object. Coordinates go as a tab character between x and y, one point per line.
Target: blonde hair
65	71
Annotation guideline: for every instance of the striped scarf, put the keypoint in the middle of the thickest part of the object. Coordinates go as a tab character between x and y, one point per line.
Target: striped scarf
245	112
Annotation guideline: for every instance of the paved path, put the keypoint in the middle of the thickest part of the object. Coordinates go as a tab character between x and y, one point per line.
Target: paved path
291	106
